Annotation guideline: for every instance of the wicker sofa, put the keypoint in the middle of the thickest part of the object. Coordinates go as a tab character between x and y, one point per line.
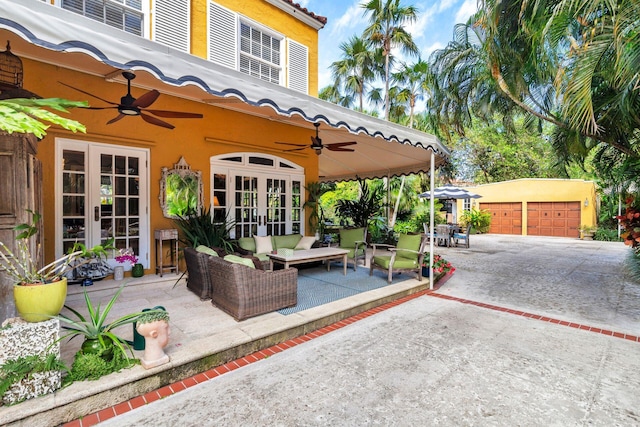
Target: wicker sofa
244	292
247	245
199	277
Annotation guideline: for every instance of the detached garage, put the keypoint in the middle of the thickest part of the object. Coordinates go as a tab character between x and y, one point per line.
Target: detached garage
538	207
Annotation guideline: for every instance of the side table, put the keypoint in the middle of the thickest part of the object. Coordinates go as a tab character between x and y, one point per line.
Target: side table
170	234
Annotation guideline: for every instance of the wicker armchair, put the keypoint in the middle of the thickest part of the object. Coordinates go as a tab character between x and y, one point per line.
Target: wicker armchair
244	292
198	273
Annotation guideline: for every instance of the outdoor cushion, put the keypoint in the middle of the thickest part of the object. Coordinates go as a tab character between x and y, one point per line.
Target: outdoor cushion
239	260
206	250
247	243
348	238
263	244
411	242
288	241
399	263
306	242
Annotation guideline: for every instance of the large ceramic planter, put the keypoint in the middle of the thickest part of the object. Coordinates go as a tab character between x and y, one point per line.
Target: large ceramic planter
36	303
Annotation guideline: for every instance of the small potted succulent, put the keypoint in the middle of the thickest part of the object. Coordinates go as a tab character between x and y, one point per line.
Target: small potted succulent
40	292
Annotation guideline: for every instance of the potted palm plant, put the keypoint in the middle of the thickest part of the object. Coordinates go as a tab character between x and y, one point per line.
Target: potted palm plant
40	292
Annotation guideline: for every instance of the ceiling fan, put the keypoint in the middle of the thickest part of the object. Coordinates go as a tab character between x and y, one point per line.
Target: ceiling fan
317	145
130	106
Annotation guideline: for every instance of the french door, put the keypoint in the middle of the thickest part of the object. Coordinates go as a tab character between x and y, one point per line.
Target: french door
101	192
263	197
262	205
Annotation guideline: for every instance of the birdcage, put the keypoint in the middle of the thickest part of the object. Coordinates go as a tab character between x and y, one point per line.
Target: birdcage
10	69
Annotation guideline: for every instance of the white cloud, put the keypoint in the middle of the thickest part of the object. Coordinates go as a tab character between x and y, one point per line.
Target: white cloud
426	51
302	3
468	8
351	18
425	17
446	4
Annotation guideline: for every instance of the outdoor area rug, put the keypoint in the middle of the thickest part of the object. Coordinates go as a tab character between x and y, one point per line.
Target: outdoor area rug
317	286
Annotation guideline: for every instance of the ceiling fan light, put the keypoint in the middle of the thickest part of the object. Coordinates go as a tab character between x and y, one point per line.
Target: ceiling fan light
318	151
129	111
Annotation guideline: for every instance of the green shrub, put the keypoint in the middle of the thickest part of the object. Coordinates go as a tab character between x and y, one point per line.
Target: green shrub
606	235
632	263
480	220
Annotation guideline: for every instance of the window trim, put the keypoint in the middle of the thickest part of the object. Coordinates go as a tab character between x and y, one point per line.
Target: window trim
269	32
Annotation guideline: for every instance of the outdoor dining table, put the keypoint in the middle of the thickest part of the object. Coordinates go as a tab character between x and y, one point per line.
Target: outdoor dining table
451	229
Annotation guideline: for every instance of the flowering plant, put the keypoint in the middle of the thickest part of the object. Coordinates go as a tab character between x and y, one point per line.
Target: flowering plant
127	255
440	265
630	221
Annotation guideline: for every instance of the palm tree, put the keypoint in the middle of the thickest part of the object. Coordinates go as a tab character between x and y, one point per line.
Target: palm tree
387	19
332	94
571	63
355	68
414	80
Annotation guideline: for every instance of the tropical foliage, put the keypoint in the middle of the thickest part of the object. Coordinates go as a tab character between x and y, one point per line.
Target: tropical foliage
30	115
361	210
480	220
200	229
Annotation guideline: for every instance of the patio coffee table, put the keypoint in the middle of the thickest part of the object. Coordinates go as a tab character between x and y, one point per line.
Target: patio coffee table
309	255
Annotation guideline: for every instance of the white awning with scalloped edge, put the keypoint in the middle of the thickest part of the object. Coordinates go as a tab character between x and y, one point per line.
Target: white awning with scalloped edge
48	33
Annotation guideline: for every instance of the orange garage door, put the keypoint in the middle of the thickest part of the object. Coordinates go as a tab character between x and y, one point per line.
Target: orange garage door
560	219
506	218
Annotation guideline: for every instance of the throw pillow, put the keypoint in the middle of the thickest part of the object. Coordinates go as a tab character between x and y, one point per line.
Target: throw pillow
306	242
263	244
240	260
247	243
206	250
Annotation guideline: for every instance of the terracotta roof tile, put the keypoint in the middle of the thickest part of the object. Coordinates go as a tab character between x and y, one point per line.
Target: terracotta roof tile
322	19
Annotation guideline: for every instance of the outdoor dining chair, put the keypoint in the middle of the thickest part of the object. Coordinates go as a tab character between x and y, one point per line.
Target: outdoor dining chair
443	237
460	238
406	256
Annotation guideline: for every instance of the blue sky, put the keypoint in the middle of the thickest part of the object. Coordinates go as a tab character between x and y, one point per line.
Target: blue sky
433	29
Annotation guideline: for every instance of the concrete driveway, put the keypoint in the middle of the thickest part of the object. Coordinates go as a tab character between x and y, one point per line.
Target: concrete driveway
528	332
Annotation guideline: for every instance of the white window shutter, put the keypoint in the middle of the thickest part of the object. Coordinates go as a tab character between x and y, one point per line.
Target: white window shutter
171	23
298	76
223	36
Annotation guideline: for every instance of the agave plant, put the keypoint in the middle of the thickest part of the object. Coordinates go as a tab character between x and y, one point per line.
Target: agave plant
98	334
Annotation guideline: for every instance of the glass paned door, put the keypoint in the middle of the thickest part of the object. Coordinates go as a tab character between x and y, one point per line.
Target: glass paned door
248	220
262	205
103	195
118	207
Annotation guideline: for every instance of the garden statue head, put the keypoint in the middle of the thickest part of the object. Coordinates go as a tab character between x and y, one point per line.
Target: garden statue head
154	327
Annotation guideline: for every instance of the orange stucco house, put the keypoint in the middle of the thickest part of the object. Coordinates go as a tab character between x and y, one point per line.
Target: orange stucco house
249	68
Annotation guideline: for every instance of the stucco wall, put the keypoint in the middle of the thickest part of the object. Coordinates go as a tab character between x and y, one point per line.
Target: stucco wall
539	190
220	131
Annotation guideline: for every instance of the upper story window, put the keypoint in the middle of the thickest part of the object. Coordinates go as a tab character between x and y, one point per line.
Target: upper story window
126	15
244	45
259	53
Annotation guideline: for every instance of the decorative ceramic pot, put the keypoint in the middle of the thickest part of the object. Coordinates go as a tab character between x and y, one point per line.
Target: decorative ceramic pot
38	302
118	272
137	270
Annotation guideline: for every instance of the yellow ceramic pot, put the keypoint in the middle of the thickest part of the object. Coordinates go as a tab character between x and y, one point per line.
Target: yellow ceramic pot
36	303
